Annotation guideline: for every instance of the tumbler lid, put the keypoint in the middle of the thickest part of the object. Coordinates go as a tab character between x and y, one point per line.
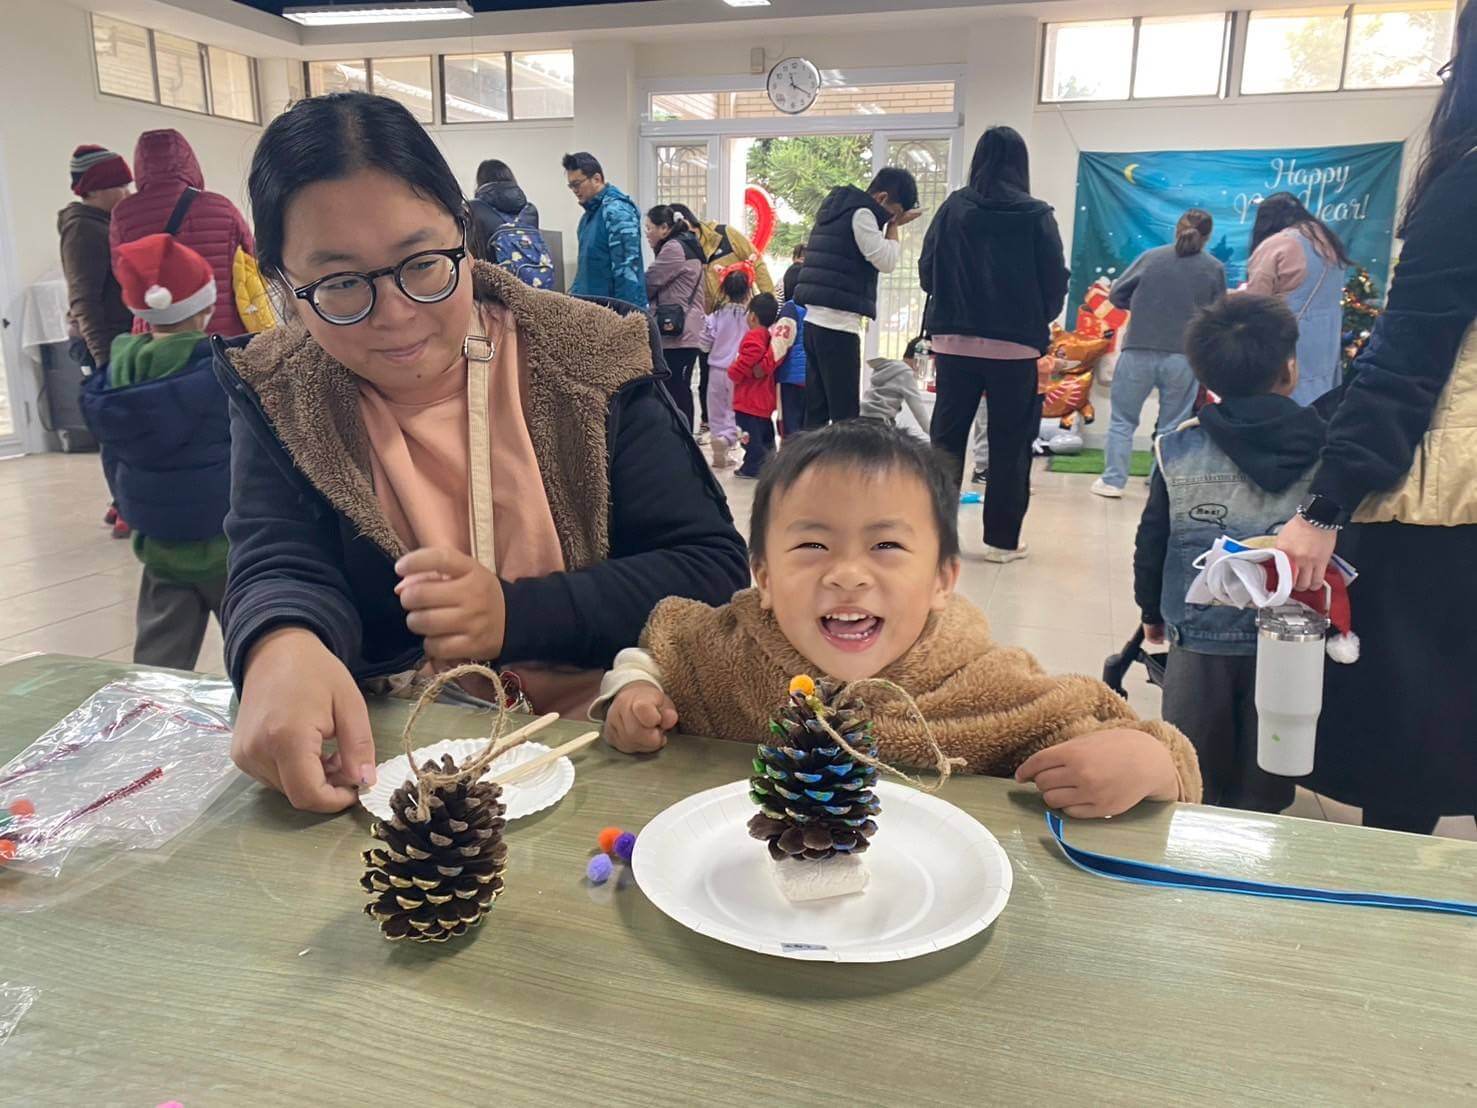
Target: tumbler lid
1292	622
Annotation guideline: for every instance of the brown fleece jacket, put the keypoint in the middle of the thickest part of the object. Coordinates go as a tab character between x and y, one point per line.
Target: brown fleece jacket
578	355
727	669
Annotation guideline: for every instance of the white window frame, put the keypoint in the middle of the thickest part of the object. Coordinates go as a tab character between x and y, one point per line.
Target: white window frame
1228	52
202	48
883	128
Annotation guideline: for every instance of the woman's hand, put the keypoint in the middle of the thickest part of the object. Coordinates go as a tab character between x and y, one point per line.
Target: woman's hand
454	602
296	696
1310	549
1102	774
639	718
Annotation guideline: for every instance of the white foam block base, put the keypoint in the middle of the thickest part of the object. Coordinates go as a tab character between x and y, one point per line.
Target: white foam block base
839	875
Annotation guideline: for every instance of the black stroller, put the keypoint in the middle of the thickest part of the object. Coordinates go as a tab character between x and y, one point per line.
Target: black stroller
1116	668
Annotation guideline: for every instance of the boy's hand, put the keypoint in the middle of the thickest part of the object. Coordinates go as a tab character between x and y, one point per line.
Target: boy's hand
1102	774
639	718
1154	633
454	602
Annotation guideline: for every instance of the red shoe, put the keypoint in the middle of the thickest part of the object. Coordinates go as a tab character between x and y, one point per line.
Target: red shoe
110	517
121	530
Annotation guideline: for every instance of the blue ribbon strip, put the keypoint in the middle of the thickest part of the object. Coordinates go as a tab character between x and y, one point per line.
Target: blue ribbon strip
1146	873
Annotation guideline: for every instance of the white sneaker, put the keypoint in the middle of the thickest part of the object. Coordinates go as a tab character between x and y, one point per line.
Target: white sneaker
1000	556
1102	488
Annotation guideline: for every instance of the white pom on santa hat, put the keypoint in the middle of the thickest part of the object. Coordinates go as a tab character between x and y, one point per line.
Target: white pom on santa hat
1344	648
158	297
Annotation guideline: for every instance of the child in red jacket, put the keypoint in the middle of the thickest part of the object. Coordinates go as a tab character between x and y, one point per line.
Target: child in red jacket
752	374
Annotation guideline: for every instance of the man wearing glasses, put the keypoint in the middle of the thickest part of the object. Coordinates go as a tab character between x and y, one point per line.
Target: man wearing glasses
610	262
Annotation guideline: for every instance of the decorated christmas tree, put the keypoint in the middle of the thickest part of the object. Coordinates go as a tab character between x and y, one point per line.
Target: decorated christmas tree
1361	305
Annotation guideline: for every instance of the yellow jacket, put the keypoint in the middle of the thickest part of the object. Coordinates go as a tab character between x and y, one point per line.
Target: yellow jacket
740	250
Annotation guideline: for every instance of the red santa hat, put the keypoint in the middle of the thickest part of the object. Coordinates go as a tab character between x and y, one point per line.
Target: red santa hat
1333	602
163	280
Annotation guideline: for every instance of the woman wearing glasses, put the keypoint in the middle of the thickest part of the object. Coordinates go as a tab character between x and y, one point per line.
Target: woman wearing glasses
432	462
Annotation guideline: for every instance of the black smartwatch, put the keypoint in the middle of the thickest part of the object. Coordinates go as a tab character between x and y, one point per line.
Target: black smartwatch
1322	513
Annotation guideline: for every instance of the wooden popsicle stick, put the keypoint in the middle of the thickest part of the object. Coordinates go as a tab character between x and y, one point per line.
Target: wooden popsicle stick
524	733
528	769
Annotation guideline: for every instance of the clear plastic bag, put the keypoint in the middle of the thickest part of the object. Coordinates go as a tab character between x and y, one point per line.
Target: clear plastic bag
129	769
14	1001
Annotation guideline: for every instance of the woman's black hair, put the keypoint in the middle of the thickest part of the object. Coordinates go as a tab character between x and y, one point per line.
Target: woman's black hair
1001	164
736	286
1192	232
686	213
866	446
326	138
667	215
495	171
1282	210
1453	131
899	184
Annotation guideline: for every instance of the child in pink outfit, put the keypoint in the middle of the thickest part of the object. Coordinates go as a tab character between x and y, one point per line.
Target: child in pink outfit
724	331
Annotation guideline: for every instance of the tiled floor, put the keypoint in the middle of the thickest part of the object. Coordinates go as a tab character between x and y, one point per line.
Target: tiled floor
67	587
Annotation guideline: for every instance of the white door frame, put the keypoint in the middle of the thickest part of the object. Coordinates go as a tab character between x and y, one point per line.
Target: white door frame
10	337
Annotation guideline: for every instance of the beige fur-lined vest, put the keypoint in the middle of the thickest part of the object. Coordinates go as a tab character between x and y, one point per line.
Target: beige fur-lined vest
1441	488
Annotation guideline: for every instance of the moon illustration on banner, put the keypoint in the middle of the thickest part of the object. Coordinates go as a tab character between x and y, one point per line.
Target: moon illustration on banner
1128	172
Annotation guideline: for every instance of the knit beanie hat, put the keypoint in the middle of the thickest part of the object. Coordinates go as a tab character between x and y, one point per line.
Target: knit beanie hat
94	168
162	279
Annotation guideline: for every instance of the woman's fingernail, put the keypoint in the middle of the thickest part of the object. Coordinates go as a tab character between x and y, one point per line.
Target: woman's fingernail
367	775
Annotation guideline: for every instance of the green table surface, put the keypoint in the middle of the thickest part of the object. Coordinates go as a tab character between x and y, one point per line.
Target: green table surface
236	967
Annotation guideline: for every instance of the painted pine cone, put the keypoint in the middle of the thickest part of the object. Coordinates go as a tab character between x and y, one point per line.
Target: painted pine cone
435	878
814	799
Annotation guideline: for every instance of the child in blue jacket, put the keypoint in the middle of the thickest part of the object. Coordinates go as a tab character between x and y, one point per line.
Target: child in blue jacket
161	418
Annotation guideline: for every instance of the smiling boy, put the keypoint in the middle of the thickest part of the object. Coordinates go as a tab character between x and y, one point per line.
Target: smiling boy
855	551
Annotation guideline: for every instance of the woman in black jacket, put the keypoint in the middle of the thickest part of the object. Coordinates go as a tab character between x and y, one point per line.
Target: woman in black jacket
432	462
1398	732
993	268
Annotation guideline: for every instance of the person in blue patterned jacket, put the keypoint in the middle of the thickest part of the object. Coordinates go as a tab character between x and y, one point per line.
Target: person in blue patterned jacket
610	262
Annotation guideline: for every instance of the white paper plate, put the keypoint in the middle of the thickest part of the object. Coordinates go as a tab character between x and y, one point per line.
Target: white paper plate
532	794
937	877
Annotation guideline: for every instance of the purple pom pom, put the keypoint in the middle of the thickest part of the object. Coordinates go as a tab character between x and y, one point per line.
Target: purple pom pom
624	846
599	869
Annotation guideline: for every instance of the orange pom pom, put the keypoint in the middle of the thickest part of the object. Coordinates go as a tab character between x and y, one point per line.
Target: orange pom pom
22	807
803	684
7	850
607	839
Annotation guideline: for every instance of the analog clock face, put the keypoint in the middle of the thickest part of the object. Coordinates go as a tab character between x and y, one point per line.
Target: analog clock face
793	85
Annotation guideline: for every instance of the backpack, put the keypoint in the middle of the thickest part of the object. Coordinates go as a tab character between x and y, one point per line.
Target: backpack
520	249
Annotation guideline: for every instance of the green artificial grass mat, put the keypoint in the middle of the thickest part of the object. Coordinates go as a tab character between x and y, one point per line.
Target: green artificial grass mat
1093	462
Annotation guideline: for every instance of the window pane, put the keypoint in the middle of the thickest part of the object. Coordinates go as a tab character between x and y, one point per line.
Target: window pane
123	64
407	80
1398	45
543	84
1181	56
326	77
231	91
1294	51
181	76
1088	61
924	97
682	175
475	87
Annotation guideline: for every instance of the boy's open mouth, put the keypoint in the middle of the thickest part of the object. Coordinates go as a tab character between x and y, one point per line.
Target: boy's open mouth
851	629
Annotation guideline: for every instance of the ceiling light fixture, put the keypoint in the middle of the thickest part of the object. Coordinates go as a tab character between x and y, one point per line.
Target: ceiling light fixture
747	3
347	15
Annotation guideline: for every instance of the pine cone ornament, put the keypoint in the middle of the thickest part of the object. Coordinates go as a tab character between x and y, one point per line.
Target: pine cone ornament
815	800
436	877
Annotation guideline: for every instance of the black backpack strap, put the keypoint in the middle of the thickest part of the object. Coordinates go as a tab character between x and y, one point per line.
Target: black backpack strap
725	245
181	206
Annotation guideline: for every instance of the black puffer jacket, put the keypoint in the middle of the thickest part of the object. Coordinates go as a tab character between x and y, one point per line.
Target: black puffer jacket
494	206
836	273
994	268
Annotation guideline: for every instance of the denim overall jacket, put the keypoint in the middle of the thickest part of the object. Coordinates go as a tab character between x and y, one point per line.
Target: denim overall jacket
1209	496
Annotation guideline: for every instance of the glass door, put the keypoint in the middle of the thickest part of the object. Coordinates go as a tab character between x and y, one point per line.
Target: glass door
900	301
683	171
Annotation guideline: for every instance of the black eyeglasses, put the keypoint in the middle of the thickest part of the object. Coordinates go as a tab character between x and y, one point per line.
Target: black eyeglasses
426	277
576	185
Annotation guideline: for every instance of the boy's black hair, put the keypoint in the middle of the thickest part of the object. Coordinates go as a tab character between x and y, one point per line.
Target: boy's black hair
1241	344
583	161
900	185
736	285
911	350
869	446
765	308
495	172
